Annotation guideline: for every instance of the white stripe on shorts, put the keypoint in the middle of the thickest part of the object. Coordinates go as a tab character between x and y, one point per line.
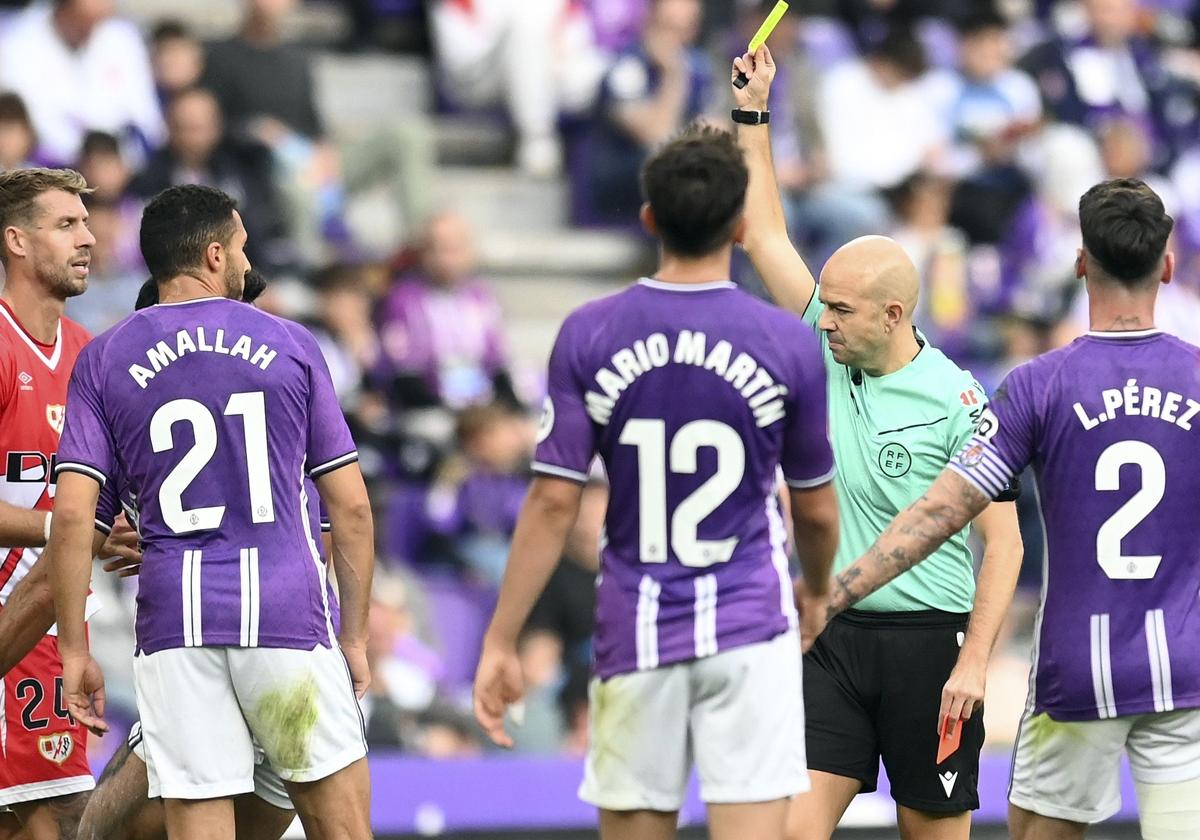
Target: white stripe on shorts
646	627
706	616
1160	661
1106	703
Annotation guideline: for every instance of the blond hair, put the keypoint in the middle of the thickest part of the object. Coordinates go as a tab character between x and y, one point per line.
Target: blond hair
20	188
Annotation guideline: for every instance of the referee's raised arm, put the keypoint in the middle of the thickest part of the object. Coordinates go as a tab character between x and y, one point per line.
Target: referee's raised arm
781	267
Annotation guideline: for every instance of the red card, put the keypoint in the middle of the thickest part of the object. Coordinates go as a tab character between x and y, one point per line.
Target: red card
948	743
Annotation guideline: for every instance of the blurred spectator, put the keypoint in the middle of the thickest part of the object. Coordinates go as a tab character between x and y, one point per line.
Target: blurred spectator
17	138
198	152
1037	255
236	69
987	103
106	172
177	58
404	671
1113	68
78	68
281	115
652	90
555	646
441	327
939	252
535	57
879	125
116	272
315	176
345	331
473	506
1126	151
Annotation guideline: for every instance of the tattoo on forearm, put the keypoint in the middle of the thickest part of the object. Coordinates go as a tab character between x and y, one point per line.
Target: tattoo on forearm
915	534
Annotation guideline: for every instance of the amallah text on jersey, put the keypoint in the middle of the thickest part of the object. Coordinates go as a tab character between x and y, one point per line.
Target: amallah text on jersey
755	385
195	341
1141	400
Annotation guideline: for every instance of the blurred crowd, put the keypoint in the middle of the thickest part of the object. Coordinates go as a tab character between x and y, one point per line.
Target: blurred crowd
965	129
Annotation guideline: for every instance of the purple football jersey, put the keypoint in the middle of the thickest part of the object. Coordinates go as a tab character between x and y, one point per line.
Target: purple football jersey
1111	425
215	413
115	497
693	396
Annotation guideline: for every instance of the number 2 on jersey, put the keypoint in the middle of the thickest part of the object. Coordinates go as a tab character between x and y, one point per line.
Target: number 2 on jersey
1116	565
251	406
650	438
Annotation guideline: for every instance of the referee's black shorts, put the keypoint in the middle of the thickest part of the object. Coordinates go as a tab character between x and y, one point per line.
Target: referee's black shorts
872	689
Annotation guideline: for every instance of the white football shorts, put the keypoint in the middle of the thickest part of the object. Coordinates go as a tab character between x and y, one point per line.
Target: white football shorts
205	711
1069	770
738	714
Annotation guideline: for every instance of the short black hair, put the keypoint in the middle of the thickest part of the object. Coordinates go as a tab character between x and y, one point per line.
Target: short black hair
696	188
100	143
13	110
1125	229
180	223
982	20
169	30
900	46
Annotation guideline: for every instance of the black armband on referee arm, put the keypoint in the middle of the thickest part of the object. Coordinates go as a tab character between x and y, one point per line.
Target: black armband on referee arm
1011	492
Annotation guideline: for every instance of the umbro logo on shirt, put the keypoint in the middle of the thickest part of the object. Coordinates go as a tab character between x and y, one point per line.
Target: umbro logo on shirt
948	779
24	378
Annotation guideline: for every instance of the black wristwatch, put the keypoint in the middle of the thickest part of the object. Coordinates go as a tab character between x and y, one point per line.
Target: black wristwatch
750	117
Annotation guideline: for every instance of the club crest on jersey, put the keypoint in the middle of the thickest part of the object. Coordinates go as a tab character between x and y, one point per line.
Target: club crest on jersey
546	426
56	748
56	416
895	460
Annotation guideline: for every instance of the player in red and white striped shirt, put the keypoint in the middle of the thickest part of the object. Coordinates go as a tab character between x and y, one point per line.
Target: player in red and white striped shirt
45	247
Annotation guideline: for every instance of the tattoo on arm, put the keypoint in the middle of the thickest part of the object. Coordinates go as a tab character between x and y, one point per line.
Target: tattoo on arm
1126	322
917	532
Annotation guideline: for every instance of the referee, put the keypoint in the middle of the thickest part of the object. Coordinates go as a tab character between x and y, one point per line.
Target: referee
881	676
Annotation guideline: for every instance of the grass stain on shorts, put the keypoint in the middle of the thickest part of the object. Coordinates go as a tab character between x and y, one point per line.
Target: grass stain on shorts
284	722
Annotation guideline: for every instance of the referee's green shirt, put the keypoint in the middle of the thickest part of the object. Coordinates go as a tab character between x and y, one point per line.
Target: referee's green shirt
892	436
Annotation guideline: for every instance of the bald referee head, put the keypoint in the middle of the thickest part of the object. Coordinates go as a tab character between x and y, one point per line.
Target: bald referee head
869	288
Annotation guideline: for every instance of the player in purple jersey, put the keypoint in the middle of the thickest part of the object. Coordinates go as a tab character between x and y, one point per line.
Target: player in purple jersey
215	413
1110	425
684	387
120	807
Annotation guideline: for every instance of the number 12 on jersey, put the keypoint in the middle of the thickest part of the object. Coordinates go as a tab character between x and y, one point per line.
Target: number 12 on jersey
650	438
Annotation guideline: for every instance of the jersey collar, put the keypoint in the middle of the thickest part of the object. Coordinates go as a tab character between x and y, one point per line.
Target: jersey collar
50	361
686	287
1124	334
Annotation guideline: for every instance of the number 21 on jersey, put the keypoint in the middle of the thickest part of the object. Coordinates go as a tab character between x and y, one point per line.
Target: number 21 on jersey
251	407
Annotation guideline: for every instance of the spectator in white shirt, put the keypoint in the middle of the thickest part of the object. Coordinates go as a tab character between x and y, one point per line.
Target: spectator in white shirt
987	104
79	69
880	124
